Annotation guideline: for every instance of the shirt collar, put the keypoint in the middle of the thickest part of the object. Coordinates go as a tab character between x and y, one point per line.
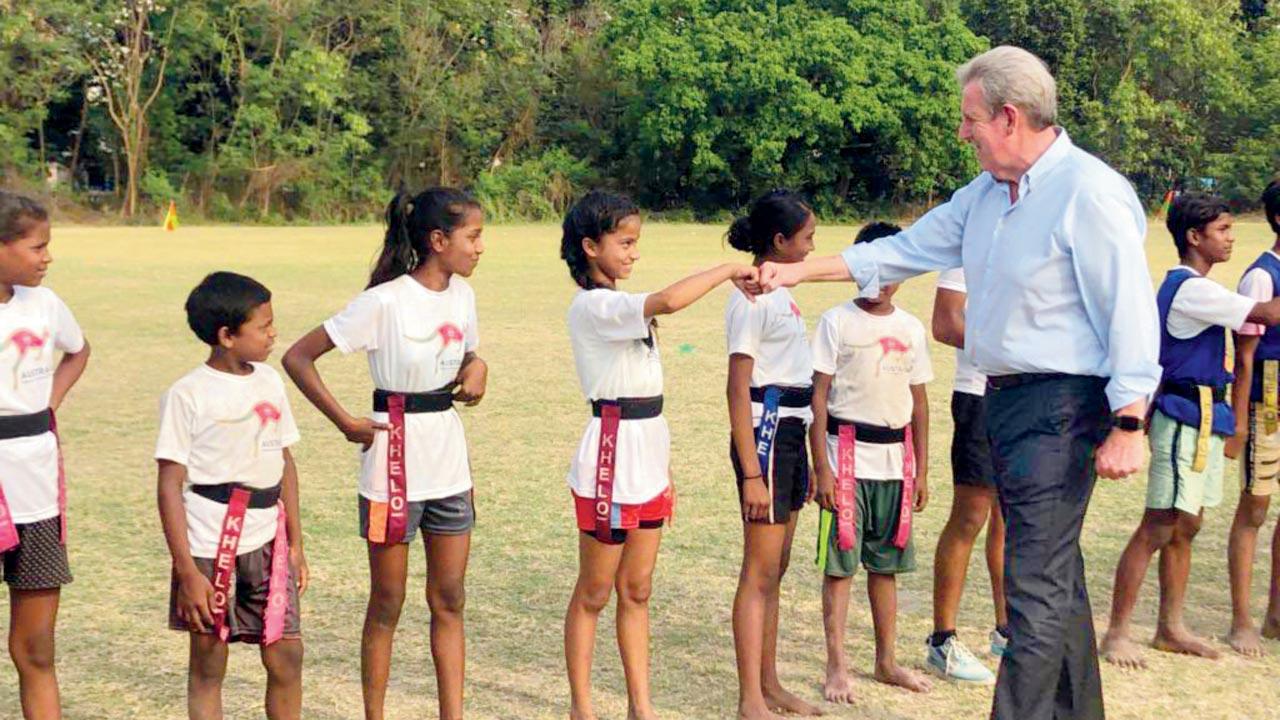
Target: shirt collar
1049	159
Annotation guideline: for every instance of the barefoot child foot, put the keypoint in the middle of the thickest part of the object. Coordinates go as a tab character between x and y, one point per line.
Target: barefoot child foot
1121	651
1183	643
838	687
903	677
780	700
1246	641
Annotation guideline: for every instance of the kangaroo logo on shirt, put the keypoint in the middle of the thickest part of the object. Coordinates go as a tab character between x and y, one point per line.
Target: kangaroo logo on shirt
23	341
890	347
795	309
448	334
265	412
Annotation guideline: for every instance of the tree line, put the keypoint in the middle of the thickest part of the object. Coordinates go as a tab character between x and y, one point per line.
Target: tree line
314	110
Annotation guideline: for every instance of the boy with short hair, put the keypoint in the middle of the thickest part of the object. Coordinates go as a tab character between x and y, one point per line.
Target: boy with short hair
1258	434
870	452
228	497
1189	424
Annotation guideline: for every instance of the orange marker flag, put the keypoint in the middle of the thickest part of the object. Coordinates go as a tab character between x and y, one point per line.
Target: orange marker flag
171	217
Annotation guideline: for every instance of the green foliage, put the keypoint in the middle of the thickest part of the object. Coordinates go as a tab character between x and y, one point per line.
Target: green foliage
315	110
540	188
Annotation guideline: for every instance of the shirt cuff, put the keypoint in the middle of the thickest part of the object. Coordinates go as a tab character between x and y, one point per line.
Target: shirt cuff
865	273
1122	392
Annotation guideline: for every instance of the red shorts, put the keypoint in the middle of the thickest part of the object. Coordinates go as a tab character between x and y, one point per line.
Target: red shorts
651	514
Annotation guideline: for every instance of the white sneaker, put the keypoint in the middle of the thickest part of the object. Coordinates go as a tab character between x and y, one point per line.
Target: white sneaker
999	643
953	661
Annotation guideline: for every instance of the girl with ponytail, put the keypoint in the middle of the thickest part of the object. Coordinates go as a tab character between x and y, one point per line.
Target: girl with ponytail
769	392
416	321
620	475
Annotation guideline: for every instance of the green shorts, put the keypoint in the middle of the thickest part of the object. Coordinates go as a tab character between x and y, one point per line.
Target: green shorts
1171	483
877	522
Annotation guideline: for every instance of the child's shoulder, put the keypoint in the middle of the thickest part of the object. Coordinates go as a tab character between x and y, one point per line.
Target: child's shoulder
836	313
37	295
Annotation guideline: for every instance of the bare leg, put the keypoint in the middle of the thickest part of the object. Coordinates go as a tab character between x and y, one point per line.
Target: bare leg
206	667
970	508
33	615
1154	532
778	698
634	586
283	661
446	596
1175	571
597	569
882	591
1250	514
753	604
388	572
838	687
1271	623
995	561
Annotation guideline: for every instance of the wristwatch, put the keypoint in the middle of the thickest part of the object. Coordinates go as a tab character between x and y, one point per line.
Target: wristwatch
1127	423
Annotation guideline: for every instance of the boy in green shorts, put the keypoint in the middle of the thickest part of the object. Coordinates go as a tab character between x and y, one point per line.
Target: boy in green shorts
1190	421
870	451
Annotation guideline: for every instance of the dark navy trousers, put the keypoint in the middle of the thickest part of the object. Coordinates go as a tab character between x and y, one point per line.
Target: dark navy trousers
1044	434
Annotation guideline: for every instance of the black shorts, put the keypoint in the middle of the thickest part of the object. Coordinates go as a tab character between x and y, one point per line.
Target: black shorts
39	562
970	448
790	469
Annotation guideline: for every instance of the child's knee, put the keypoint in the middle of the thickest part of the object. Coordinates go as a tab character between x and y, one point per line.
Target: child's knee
1253	513
635	590
208	665
32	652
1188	526
385	604
283	661
970	518
762	577
1157	530
447	597
593	596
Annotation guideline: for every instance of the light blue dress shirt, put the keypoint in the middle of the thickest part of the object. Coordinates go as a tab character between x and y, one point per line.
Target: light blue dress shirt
1058	280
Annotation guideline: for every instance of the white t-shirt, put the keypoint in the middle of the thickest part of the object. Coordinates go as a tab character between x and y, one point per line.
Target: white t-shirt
226	428
873	360
34	325
415	339
968	379
1256	284
608	329
771	331
1201	303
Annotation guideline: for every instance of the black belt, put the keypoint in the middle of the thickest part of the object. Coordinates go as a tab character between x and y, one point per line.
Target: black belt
790	397
874	434
16	426
419	402
1004	382
632	408
1191	391
259	499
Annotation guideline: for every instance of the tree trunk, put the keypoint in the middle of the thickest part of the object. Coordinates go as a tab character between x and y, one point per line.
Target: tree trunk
75	146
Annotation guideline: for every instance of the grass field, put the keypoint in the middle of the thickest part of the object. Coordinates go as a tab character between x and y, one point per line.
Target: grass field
117	660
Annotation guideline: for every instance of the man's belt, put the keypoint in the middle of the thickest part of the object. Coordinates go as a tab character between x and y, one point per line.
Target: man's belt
1005	382
788	397
630	408
259	498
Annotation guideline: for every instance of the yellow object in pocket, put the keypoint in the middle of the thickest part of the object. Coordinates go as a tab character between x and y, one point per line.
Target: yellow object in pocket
1205	432
1270	388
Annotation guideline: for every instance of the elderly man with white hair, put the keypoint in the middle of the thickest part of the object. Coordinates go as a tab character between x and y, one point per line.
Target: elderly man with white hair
1062	319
